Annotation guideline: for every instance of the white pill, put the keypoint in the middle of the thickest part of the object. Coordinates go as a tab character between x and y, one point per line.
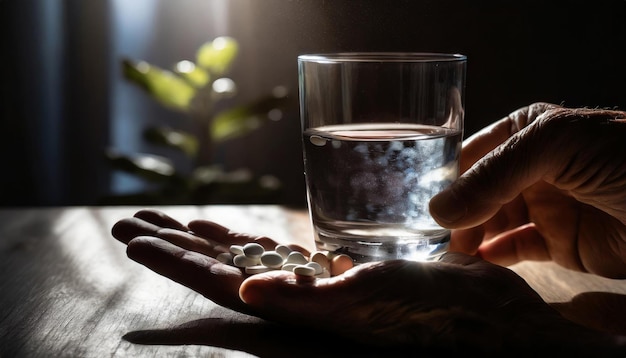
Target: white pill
272	259
317	267
283	250
245	261
303	270
253	249
236	249
289	267
225	258
253	270
296	257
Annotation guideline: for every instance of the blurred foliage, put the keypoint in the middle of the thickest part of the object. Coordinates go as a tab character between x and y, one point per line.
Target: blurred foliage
194	89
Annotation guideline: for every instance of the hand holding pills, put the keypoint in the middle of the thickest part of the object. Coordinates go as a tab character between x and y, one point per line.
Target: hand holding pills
253	259
460	301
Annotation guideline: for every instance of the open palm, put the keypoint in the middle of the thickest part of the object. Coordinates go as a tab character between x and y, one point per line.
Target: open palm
460	302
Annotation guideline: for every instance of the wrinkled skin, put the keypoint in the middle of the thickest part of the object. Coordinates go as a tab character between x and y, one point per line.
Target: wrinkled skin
460	303
463	302
544	183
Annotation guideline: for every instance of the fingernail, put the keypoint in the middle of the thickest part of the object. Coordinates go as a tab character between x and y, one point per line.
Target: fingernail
446	208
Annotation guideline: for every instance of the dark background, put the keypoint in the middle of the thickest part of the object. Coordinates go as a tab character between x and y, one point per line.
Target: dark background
62	93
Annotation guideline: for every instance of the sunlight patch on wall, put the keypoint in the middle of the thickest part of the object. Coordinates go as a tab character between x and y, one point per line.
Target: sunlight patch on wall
132	31
146	29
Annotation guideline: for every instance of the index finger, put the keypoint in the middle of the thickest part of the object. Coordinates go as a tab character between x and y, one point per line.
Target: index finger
488	138
218	233
214	280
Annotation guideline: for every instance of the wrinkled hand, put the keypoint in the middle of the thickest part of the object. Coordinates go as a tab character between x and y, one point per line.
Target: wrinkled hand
186	253
459	302
544	183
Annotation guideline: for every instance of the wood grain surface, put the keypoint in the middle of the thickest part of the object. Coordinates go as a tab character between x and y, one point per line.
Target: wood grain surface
67	289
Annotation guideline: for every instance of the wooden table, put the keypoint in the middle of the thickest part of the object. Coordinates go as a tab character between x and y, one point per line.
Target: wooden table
68	289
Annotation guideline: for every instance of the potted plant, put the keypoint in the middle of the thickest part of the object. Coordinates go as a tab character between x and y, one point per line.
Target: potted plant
194	89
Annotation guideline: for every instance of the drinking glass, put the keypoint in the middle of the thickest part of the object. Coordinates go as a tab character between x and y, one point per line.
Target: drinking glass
381	136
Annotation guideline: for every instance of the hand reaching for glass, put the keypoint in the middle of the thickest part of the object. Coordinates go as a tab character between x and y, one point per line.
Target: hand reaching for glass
543	183
460	301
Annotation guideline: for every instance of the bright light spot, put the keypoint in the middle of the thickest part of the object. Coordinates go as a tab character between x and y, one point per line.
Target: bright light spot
185	66
143	67
156	165
317	140
444	174
220	42
175	138
224	86
275	114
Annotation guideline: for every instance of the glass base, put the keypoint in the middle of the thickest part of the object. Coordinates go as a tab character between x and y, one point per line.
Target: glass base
414	249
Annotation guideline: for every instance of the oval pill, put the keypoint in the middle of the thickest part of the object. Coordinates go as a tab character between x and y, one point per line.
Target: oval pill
289	267
244	261
236	249
253	249
296	257
317	267
340	264
272	259
253	270
283	250
303	270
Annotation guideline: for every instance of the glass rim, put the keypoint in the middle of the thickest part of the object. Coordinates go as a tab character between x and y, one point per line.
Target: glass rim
413	57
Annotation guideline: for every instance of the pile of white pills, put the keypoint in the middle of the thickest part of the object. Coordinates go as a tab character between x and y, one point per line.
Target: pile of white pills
254	259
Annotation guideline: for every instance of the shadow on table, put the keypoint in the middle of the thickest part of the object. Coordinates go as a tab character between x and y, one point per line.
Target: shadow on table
264	339
603	311
600	310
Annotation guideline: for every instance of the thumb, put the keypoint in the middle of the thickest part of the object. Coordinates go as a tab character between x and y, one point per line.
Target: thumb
486	157
279	296
491	182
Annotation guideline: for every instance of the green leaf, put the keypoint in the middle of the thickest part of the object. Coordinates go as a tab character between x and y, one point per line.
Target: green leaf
217	55
234	123
183	141
238	121
147	166
166	87
195	75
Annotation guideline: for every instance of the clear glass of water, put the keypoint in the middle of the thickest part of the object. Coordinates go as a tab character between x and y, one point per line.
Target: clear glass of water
381	136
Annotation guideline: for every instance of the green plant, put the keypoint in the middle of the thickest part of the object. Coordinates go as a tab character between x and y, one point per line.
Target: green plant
194	89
